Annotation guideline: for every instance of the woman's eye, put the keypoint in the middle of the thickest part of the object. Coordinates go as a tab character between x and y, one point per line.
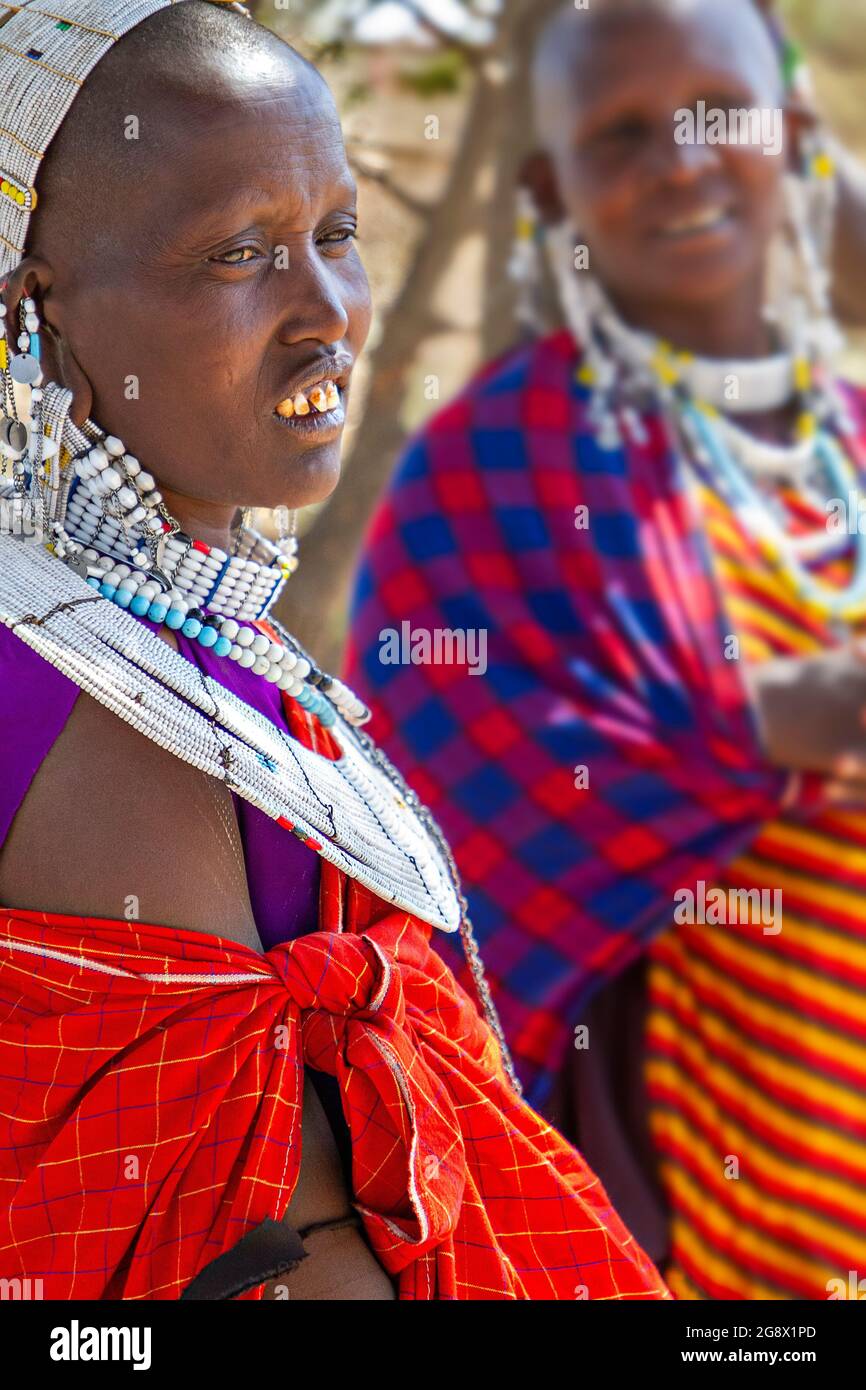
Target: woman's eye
239	256
624	131
339	237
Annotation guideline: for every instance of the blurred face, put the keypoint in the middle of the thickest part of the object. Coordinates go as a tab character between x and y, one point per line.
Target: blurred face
229	286
667	223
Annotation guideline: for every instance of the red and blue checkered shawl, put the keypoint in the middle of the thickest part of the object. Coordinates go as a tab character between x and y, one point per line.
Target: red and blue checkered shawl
606	651
150	1109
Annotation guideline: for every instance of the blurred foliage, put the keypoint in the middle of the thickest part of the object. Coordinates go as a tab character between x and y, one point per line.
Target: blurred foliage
443	73
837	27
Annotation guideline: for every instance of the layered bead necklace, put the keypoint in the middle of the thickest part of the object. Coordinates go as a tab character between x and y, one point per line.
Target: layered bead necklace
109	524
199	590
621	367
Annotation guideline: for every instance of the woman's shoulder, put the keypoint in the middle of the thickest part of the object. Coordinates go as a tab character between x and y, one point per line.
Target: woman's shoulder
102	818
36	701
526	387
483	433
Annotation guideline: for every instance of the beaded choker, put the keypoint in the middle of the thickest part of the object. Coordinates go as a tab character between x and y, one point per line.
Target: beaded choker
621	368
208	595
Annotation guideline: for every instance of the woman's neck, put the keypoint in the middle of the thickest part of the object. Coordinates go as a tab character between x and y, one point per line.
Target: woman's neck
212	522
723	331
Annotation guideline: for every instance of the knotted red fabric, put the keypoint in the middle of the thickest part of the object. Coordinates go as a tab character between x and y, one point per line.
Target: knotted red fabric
150	1112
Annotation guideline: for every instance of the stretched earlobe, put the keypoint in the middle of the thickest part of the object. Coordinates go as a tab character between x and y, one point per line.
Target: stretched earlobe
538	176
33	278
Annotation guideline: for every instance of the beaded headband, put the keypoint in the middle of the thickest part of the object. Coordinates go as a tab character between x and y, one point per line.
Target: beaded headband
47	50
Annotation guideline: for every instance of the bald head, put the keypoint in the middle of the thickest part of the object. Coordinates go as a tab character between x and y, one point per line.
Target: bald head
184	57
572	38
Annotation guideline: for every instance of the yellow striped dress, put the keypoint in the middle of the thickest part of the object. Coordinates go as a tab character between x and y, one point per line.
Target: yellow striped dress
756	1041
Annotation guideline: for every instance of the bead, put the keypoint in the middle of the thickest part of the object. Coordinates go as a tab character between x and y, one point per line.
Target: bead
230	629
113	446
207	636
246	636
123	598
261	644
191	628
157	612
175	619
246	658
139	606
260	665
222	646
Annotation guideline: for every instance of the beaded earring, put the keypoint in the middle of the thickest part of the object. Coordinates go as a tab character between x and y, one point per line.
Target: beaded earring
525	266
287	538
22	376
598	369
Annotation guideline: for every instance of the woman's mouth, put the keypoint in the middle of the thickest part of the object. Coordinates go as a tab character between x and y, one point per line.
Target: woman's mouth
318	410
704	222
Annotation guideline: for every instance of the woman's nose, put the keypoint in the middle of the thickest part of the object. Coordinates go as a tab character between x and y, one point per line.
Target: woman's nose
679	158
314	299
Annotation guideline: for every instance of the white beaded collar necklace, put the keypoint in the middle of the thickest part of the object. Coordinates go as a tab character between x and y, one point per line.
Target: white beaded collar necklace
734	385
349	811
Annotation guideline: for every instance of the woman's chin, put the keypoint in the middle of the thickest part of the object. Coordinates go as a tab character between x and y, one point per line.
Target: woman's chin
304	478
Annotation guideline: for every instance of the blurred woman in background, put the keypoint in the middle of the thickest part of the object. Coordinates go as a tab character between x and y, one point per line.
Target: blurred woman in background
228	1052
655	781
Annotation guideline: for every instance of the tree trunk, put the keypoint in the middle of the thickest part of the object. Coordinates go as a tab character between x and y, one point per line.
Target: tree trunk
516	142
314	605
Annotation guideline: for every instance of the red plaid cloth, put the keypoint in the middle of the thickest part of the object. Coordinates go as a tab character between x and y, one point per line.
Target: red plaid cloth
150	1112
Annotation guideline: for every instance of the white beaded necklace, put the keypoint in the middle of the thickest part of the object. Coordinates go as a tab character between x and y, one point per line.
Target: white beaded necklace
356	812
346	809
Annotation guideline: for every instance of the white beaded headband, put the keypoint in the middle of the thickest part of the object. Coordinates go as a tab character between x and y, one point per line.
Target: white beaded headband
47	50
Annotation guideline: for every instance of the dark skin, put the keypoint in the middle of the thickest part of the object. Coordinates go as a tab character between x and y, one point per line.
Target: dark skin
239	166
608	88
182	291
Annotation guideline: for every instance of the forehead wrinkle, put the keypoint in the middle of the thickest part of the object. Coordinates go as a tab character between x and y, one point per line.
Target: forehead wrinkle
252	204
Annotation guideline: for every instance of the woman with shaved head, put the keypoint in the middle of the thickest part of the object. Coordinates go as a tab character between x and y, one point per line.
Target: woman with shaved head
230	1062
656	786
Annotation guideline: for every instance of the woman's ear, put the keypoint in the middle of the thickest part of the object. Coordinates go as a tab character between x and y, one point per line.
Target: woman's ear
801	121
33	278
538	175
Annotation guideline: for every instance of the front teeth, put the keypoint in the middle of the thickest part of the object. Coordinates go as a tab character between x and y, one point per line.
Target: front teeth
320	399
697	223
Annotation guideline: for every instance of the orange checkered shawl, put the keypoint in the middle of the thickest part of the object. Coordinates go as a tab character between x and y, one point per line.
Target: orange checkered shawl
150	1111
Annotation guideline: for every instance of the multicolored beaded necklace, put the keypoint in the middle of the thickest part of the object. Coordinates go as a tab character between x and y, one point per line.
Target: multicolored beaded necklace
621	366
191	587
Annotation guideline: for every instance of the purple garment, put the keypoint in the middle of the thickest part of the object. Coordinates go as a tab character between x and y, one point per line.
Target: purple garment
35	703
